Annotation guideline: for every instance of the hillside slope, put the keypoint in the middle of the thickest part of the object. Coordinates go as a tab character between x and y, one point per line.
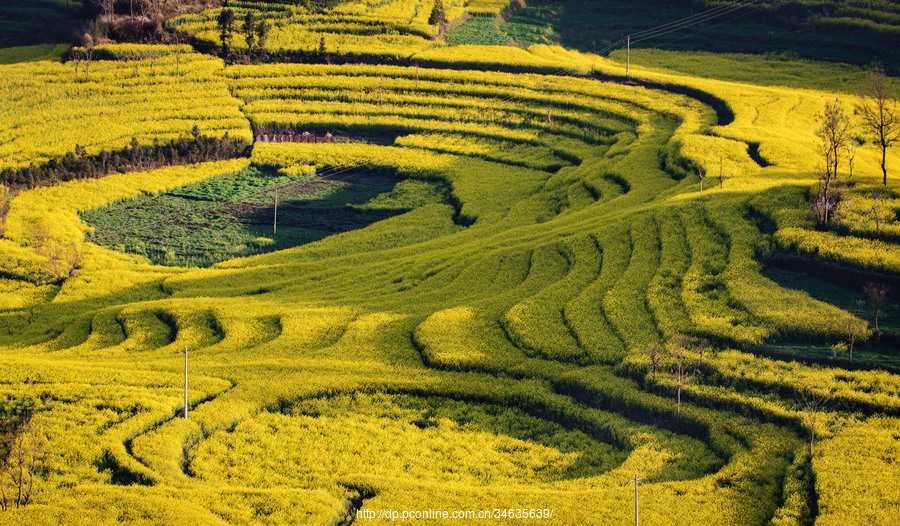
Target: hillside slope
513	348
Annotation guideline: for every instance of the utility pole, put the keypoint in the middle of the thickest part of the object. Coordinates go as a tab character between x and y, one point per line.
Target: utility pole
627	56
635	480
185	353
275	220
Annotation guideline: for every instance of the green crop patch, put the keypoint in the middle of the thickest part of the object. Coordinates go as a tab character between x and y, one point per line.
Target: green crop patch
236	215
477	30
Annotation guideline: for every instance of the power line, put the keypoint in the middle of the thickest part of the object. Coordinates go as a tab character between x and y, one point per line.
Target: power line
680	24
659	33
707	28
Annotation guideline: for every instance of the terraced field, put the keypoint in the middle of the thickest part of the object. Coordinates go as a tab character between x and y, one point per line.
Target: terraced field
490	351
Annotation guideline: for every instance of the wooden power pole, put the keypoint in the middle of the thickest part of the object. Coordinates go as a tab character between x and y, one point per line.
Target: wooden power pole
185	353
635	480
627	56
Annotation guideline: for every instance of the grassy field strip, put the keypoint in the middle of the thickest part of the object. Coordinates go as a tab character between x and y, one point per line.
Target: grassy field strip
625	304
664	299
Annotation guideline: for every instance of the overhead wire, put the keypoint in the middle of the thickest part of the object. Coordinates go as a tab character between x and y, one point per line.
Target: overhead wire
680	24
707	28
659	33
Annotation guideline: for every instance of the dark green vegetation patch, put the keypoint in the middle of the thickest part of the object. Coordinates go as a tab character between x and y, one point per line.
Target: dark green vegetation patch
849	31
234	216
477	30
35	21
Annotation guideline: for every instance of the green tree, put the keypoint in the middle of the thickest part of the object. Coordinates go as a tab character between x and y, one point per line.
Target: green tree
226	28
262	34
437	13
811	403
249	31
878	108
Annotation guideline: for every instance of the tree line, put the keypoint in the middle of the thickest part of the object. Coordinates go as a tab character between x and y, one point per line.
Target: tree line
254	32
78	164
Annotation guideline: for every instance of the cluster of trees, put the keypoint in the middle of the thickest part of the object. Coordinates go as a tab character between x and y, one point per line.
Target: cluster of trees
877	108
254	32
129	20
79	165
134	7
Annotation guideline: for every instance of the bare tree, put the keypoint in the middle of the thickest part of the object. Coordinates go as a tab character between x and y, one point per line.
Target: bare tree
878	108
851	154
76	60
178	39
877	294
88	58
851	337
834	133
63	261
152	8
39	234
811	403
875	197
106	6
680	366
25	454
701	350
